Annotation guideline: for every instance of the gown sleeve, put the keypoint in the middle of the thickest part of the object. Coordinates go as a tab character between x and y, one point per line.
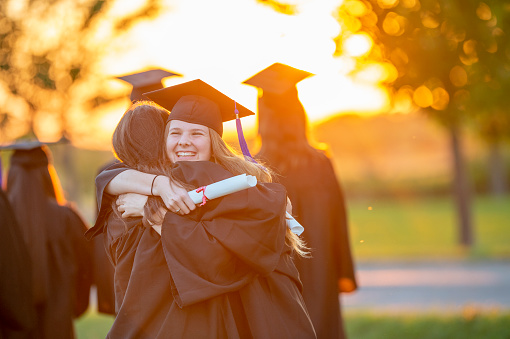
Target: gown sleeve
225	244
104	200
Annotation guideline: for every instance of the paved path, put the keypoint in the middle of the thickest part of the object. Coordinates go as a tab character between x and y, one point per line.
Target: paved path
431	286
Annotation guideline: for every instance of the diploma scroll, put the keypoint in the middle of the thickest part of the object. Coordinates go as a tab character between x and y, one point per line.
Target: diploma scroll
232	185
223	187
294	226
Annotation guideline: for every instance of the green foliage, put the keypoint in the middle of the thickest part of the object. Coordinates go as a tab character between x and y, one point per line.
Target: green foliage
469	325
50	51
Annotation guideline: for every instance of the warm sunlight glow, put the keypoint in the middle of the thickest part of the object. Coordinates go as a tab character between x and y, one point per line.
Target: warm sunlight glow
394	24
377	72
458	76
441	98
358	44
483	11
233	48
423	97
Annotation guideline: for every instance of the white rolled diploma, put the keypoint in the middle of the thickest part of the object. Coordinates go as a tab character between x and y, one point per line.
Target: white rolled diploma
294	226
224	187
232	185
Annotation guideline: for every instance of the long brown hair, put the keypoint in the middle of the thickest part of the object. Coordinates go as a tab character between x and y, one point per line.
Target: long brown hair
139	142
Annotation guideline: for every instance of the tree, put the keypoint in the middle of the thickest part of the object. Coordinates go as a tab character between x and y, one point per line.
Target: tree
490	86
431	44
49	57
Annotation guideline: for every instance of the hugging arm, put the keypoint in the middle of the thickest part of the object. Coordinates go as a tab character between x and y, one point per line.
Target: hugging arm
174	196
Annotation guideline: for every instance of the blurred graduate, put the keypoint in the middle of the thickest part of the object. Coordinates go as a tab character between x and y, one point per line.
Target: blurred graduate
53	232
317	199
17	311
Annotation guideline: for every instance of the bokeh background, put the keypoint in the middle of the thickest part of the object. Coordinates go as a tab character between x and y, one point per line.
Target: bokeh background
409	97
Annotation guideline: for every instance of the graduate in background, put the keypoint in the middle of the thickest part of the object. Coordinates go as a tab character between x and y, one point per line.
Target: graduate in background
53	233
17	311
316	196
142	82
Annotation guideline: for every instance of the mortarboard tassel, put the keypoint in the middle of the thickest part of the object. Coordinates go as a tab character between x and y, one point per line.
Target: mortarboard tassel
240	136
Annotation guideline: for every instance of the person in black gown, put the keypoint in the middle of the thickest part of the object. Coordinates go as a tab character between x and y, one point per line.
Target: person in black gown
53	233
142	82
17	313
317	199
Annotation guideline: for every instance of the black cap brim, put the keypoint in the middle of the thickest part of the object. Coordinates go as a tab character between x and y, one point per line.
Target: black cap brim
146	81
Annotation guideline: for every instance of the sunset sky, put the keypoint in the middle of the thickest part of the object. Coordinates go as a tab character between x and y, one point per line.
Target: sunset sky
226	42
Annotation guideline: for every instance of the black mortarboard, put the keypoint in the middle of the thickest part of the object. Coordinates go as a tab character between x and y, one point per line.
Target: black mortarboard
30	147
277	78
27	145
199	103
145	82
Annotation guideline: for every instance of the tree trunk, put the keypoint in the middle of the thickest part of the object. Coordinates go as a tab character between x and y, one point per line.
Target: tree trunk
497	175
461	190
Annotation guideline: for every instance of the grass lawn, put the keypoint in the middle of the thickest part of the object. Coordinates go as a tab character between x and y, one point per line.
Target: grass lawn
468	325
427	229
410	229
93	325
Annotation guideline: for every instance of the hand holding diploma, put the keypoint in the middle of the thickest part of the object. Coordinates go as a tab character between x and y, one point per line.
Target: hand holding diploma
228	186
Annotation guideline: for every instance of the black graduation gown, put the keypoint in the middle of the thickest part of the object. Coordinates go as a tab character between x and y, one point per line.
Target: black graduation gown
223	271
17	311
69	273
318	204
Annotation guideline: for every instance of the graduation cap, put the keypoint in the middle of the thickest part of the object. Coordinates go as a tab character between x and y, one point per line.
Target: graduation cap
277	78
197	102
145	82
28	146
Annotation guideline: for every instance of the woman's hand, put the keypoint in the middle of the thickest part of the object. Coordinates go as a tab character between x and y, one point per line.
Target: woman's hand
175	197
131	204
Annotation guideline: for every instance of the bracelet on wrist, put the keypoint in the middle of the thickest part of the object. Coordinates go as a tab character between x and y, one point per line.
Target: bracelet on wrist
152	185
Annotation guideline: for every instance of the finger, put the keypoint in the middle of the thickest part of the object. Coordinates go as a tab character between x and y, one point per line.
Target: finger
181	208
189	203
121	208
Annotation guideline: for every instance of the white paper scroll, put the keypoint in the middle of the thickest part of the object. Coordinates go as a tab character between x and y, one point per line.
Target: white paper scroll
224	187
232	185
294	226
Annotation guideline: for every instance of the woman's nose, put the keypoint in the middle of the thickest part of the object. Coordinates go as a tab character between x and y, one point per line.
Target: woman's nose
184	140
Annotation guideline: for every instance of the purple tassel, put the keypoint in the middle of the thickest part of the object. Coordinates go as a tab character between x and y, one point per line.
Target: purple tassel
240	137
